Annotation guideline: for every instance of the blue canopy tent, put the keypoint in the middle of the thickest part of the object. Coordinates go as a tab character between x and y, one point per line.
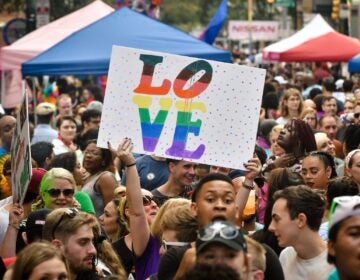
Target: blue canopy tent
354	64
88	50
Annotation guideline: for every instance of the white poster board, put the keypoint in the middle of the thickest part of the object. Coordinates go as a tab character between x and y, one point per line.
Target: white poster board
21	153
182	107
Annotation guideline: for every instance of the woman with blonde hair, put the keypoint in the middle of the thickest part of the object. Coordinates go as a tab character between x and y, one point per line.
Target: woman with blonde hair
40	260
141	211
112	222
57	190
291	106
157	226
308	115
275	149
178	229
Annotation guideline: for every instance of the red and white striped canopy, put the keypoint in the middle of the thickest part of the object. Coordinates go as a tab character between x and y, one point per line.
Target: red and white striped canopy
317	41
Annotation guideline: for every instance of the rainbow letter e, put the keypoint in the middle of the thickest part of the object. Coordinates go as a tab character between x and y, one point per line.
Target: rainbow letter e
184	126
151	131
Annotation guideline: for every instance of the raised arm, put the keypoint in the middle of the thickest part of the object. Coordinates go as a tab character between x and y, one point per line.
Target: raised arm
139	228
8	247
253	168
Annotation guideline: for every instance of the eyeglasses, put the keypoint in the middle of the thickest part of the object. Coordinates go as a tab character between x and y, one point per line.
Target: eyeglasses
225	231
56	192
356	115
168	244
70	213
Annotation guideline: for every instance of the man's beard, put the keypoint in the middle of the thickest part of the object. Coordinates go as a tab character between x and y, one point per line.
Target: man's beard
81	267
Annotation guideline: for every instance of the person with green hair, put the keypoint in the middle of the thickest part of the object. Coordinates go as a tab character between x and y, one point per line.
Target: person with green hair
57	190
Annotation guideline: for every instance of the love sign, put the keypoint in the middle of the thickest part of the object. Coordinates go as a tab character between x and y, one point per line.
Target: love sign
181	107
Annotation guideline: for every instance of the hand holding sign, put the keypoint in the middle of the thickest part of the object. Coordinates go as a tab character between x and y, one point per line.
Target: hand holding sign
124	152
253	168
182	107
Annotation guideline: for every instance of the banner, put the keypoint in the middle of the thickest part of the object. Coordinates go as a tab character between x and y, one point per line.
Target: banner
260	30
21	153
182	107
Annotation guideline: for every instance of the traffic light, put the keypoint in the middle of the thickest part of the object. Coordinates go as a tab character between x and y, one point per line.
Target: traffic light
335	12
30	13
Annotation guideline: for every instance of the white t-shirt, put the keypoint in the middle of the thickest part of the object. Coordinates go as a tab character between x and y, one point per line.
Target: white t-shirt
4	222
282	120
296	268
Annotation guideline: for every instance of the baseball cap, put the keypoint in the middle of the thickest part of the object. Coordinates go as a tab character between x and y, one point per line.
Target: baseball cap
37	174
35	223
343	207
45	108
222	232
280	80
34	184
96	105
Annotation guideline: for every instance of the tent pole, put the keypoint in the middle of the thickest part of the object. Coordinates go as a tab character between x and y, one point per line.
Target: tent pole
2	85
34	99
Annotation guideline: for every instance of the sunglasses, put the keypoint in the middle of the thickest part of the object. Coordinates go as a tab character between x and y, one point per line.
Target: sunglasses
56	192
168	244
70	213
147	199
356	115
120	193
228	232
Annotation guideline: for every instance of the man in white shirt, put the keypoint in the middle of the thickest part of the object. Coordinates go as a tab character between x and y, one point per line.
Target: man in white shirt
296	218
43	131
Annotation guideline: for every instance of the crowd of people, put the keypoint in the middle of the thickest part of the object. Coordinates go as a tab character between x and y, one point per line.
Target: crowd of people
293	212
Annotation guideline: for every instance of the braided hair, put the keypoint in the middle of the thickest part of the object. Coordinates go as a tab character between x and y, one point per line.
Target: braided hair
304	139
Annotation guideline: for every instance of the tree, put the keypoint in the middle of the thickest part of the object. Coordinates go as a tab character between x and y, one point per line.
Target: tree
183	14
57	8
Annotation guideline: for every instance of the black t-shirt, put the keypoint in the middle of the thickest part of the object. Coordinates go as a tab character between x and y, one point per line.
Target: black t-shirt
170	262
273	267
125	255
88	275
160	199
267	237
